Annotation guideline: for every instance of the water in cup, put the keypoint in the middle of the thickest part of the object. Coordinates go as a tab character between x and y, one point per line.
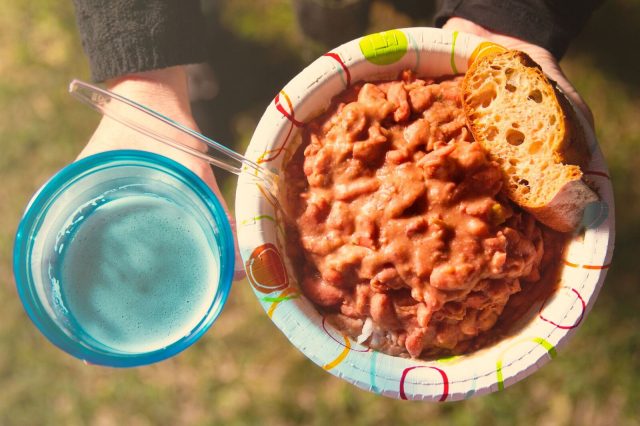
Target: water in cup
137	273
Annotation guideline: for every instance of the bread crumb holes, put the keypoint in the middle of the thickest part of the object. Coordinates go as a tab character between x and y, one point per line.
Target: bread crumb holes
492	132
535	95
535	147
515	137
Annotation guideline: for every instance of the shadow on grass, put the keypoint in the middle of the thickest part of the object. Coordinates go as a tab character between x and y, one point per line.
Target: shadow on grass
609	40
249	75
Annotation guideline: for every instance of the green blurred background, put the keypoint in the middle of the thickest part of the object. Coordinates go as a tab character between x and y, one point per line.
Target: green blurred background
244	371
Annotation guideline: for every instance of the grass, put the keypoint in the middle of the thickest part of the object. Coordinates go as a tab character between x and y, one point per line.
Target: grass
244	371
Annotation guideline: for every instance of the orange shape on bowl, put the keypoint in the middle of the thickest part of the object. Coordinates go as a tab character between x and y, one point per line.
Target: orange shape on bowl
485	48
265	269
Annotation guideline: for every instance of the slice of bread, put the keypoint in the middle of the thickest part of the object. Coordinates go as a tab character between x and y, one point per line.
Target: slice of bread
529	128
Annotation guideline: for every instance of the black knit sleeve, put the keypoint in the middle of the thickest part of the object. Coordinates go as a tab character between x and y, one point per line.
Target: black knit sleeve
125	36
551	24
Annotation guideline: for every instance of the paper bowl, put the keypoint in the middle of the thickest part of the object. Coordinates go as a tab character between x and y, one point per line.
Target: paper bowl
430	53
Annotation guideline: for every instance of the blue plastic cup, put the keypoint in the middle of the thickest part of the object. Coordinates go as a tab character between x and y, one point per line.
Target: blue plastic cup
124	258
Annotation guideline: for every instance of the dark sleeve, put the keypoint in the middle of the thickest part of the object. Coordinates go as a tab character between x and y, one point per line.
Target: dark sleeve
551	24
124	36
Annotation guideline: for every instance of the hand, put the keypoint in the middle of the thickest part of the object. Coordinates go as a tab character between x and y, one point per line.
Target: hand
166	92
539	54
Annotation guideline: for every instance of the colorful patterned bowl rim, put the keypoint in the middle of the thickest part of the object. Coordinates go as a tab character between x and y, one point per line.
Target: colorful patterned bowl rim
431	53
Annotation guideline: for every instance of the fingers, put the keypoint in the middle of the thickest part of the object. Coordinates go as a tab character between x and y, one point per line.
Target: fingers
583	107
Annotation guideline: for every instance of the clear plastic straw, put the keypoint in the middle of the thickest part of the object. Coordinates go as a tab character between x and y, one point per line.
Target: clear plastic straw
165	130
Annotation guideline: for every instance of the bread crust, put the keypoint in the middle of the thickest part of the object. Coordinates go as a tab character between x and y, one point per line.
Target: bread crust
527	125
564	212
574	149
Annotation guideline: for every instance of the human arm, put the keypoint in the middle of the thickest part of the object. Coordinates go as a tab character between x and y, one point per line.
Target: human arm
139	49
166	92
121	37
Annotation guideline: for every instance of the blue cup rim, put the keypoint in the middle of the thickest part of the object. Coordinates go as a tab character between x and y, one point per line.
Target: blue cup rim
37	209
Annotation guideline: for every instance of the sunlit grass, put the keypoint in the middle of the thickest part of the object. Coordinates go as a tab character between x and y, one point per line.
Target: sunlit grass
244	371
